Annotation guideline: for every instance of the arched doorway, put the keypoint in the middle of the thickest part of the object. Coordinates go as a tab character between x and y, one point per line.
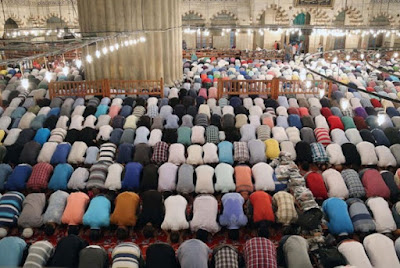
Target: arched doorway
300	20
378	40
9	26
193	39
223	39
340	41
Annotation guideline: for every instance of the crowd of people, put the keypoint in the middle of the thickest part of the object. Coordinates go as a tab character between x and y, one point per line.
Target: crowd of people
318	173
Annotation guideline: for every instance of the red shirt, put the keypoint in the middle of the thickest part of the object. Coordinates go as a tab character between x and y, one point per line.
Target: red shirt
316	184
335	122
262	207
374	184
260	252
40	176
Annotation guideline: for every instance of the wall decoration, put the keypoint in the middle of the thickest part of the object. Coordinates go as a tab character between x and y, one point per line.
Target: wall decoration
323	3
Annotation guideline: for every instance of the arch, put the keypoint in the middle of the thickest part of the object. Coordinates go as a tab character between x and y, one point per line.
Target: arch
224	13
281	14
44	20
16	19
192	13
10	24
382	19
318	16
353	14
32	21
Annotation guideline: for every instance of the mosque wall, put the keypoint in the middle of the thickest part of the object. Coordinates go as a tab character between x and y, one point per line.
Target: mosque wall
231	13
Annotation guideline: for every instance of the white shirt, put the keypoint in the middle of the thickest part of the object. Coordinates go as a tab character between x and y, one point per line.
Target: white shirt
167	177
355	254
210	155
381	252
382	214
262	173
335	154
175	214
335	184
204	183
177	154
367	153
224	175
205	210
195	155
113	180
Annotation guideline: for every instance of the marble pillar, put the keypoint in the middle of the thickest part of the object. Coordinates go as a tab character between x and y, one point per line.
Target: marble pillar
159	57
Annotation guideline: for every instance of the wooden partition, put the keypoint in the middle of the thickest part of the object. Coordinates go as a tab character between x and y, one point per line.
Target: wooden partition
245	87
78	89
273	88
137	87
106	88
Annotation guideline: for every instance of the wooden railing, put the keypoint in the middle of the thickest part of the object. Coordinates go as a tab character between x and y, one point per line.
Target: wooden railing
273	88
79	89
106	88
137	87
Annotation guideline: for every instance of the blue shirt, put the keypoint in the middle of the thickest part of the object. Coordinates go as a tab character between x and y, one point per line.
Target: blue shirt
233	216
339	221
98	213
60	178
132	176
42	135
11	251
225	152
18	178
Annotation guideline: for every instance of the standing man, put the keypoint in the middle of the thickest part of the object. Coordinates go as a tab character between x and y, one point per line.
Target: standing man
276	45
300	47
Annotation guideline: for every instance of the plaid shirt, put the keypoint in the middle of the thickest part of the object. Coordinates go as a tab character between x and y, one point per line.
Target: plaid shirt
260	252
241	151
353	183
160	153
40	176
286	213
319	154
347	112
226	256
212	134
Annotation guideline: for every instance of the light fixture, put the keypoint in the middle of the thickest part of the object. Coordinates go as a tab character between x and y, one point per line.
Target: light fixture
89	58
344	103
381	119
126	43
65	70
25	83
362	56
321	93
348	57
98	54
48	76
378	56
308	84
142	39
105	50
78	63
111	48
116	46
395	54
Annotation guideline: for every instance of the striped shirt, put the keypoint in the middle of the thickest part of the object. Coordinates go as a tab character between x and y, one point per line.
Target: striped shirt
98	175
126	255
10	208
107	152
39	253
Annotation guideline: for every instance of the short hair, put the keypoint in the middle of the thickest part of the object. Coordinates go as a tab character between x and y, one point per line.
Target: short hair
148	231
202	235
174	236
122	233
49	229
233	234
73	230
95	234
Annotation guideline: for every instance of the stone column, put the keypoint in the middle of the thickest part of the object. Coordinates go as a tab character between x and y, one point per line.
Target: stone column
159	57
